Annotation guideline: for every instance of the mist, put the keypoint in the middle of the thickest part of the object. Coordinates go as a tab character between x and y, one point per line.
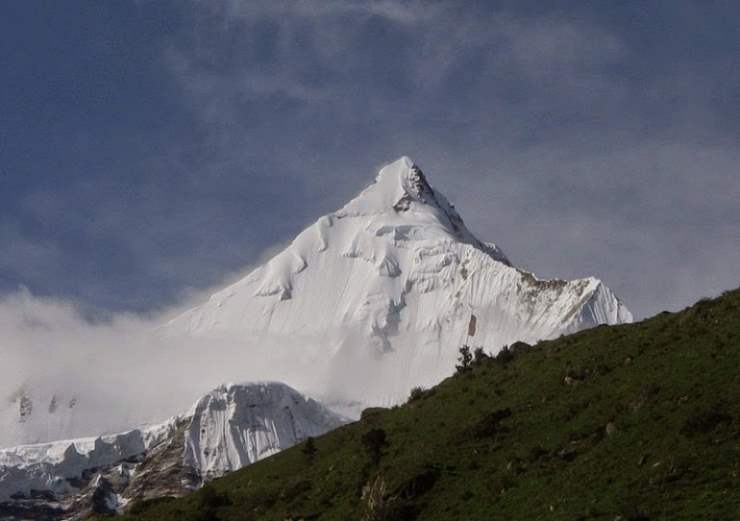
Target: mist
118	373
86	378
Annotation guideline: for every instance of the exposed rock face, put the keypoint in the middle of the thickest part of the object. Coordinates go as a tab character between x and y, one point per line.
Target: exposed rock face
230	427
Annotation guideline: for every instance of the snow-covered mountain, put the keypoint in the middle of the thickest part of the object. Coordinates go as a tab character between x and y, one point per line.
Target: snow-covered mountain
376	297
236	425
364	304
228	428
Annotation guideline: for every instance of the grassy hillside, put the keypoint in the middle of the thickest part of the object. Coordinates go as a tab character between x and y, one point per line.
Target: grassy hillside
633	422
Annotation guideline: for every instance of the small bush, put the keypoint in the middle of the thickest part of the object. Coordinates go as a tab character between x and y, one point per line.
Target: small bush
417	393
309	449
519	347
465	360
479	355
504	356
374	442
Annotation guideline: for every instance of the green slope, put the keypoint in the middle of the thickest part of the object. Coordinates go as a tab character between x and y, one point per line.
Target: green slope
646	427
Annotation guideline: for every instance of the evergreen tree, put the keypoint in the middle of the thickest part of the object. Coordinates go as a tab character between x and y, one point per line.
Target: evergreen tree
465	360
309	449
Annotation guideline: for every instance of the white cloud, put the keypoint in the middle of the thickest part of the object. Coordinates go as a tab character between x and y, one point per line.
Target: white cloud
122	372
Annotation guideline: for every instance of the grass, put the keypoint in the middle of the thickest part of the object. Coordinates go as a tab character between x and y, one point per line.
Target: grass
633	422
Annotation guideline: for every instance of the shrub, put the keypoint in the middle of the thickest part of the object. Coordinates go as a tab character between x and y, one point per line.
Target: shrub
374	442
519	346
309	449
504	356
417	393
465	360
479	355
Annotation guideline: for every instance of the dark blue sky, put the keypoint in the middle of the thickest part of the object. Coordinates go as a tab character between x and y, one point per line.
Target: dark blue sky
152	149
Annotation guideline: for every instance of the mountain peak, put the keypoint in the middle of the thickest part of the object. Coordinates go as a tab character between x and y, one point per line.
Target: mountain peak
402	196
403	177
395	187
396	173
401	191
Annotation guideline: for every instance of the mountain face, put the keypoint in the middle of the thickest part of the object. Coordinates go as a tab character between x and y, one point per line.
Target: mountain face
376	297
228	428
366	303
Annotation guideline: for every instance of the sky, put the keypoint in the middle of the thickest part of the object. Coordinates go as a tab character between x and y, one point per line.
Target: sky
150	150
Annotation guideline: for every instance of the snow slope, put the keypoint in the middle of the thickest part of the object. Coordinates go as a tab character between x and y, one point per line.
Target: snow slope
228	428
377	296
